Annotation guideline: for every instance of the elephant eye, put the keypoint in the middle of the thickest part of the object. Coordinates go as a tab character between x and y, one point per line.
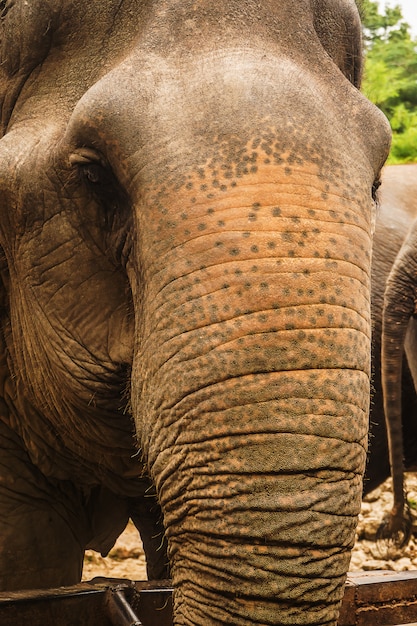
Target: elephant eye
90	165
4	8
93	173
105	204
375	188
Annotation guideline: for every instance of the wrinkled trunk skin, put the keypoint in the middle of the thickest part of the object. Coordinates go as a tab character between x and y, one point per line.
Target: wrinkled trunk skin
254	403
250	282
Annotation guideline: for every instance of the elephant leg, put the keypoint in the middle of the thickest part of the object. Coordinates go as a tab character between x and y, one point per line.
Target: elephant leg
39	544
147	517
108	516
398	337
410	346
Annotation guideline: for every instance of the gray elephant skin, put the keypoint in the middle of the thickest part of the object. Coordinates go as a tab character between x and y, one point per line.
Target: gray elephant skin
187	207
397	210
394	296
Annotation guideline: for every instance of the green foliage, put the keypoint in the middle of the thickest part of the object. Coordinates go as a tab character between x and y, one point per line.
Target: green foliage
390	77
412	503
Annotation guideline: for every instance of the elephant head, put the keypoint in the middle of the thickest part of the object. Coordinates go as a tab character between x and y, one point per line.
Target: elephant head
187	207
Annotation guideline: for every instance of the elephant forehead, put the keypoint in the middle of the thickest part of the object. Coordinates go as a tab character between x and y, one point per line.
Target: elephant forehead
213	106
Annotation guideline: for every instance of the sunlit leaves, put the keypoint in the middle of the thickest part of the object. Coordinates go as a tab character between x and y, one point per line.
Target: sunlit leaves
390	77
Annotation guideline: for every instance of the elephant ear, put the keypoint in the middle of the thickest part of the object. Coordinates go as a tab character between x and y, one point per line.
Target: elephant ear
337	24
26	30
25	34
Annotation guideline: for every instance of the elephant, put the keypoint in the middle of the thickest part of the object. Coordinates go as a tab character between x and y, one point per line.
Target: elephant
397	209
394	350
188	196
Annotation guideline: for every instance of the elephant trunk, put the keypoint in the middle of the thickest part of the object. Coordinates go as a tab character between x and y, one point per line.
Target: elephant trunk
258	525
251	391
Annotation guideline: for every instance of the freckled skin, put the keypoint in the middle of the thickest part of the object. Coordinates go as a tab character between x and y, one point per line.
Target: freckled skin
187	248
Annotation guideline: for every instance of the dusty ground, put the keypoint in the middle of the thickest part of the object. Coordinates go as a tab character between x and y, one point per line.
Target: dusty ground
126	559
370	555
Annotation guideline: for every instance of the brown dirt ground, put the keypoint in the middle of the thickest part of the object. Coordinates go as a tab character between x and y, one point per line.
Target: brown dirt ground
126	559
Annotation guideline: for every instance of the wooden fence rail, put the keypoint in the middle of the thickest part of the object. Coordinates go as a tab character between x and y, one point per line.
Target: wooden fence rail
371	599
380	598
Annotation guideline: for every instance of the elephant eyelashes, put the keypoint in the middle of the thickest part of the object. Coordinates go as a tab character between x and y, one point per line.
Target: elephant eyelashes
90	166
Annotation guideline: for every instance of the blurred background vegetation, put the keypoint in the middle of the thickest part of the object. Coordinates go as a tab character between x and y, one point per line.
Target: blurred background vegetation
390	77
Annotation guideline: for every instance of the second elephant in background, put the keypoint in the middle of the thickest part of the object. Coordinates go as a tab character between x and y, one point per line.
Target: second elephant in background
394	294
